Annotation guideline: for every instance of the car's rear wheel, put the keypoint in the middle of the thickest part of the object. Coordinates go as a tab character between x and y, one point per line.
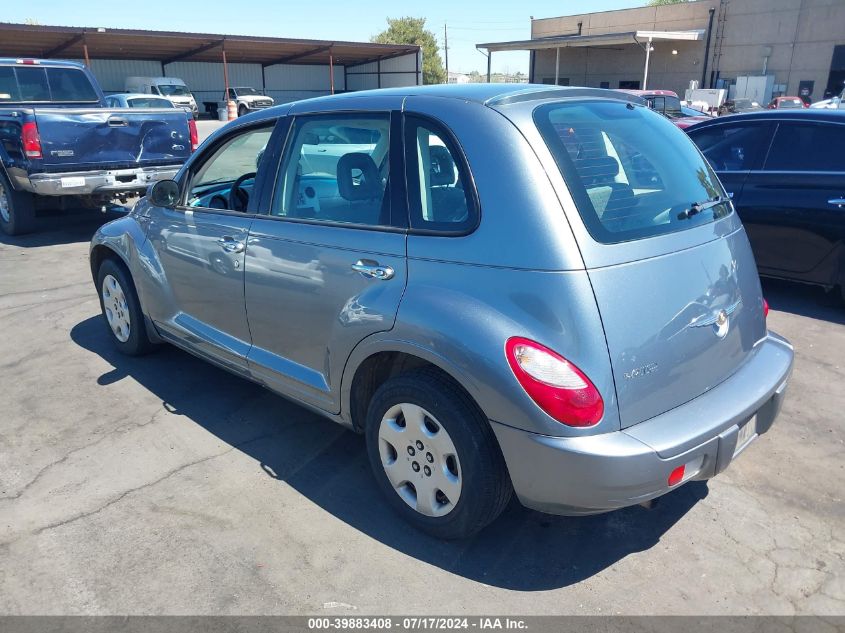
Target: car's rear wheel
122	310
434	455
17	209
242	110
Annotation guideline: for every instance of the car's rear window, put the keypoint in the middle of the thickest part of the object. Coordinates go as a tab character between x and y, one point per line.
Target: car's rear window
631	172
35	84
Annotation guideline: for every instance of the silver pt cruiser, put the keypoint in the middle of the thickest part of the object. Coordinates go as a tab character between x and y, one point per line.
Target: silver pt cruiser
505	289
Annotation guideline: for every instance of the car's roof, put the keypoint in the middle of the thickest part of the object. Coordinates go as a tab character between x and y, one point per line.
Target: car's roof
649	93
34	61
138	95
804	114
480	93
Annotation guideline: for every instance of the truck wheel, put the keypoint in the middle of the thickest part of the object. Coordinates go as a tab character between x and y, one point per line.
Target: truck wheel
17	209
122	310
241	110
435	456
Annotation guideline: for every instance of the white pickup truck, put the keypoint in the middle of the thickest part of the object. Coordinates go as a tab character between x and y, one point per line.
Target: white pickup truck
249	100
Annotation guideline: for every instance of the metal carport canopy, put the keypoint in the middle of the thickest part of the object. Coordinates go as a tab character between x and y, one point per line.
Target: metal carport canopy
641	38
25	40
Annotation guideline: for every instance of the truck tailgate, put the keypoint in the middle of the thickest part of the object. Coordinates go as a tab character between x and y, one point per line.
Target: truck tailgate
91	138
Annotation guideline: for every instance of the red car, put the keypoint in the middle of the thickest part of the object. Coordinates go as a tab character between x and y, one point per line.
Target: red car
667	103
783	103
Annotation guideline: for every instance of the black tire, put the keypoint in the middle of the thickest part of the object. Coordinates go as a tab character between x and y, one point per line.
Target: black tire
485	485
137	343
241	111
19	215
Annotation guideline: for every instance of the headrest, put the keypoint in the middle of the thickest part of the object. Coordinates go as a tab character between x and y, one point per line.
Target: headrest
442	170
598	170
357	177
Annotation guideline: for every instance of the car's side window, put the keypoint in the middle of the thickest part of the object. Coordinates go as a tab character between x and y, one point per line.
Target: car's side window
732	147
336	169
807	147
440	190
226	179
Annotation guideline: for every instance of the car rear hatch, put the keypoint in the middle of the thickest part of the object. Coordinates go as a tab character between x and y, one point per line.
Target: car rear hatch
671	268
100	138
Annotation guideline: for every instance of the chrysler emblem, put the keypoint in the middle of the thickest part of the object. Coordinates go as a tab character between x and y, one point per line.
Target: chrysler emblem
720	320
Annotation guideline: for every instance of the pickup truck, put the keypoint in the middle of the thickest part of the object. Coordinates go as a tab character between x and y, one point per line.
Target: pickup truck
58	139
249	100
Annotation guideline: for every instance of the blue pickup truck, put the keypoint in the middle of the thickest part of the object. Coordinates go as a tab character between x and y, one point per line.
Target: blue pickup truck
58	139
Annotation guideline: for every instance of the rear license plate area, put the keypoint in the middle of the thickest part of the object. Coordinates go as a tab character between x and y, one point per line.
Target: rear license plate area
747	433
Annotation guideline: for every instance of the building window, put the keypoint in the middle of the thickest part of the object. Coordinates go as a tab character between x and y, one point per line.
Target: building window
629	85
561	81
605	85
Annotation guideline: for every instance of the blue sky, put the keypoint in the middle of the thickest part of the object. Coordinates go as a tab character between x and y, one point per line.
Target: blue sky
469	22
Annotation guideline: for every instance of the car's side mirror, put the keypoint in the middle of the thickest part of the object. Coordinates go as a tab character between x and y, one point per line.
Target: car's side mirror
164	193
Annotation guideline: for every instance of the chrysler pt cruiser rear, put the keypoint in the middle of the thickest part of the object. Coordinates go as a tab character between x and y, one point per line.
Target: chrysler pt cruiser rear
530	290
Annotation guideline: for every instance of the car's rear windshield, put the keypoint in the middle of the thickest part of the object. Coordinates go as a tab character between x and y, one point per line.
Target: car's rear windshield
35	84
631	172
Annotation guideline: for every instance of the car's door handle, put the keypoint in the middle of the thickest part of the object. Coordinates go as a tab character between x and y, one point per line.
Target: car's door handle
839	202
117	122
231	245
374	270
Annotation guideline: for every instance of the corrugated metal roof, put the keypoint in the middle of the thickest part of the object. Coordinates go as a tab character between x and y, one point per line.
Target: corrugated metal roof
25	40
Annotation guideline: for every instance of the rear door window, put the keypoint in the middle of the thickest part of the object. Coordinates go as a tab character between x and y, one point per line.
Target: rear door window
631	172
733	147
807	147
336	169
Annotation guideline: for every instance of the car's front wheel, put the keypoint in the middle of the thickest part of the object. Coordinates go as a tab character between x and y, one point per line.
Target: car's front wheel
122	310
435	456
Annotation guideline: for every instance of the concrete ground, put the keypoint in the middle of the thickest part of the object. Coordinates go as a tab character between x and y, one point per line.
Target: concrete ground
164	485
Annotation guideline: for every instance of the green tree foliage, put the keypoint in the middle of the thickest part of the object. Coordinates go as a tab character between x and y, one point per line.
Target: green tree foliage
412	31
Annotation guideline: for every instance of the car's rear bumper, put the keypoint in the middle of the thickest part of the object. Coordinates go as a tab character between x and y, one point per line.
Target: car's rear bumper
105	181
597	473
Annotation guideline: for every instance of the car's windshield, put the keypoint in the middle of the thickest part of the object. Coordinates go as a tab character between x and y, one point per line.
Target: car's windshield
743	104
243	92
791	103
173	90
631	172
672	109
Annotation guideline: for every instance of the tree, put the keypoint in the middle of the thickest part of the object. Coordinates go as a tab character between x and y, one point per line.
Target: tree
409	30
660	3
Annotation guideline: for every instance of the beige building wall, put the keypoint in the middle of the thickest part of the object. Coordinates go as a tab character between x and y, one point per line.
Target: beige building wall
791	39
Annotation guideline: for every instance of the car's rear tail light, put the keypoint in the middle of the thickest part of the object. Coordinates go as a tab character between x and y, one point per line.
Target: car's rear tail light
31	140
557	386
192	127
677	475
28	62
765	309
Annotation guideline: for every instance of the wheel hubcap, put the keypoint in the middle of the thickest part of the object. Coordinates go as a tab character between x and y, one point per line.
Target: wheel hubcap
4	204
420	460
117	310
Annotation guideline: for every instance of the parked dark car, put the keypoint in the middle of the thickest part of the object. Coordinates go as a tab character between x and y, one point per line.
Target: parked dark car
739	106
786	171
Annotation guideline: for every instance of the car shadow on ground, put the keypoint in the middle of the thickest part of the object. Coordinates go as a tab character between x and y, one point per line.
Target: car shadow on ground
804	300
56	227
523	550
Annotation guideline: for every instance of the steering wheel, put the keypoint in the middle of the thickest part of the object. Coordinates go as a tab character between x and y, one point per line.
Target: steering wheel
238	197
